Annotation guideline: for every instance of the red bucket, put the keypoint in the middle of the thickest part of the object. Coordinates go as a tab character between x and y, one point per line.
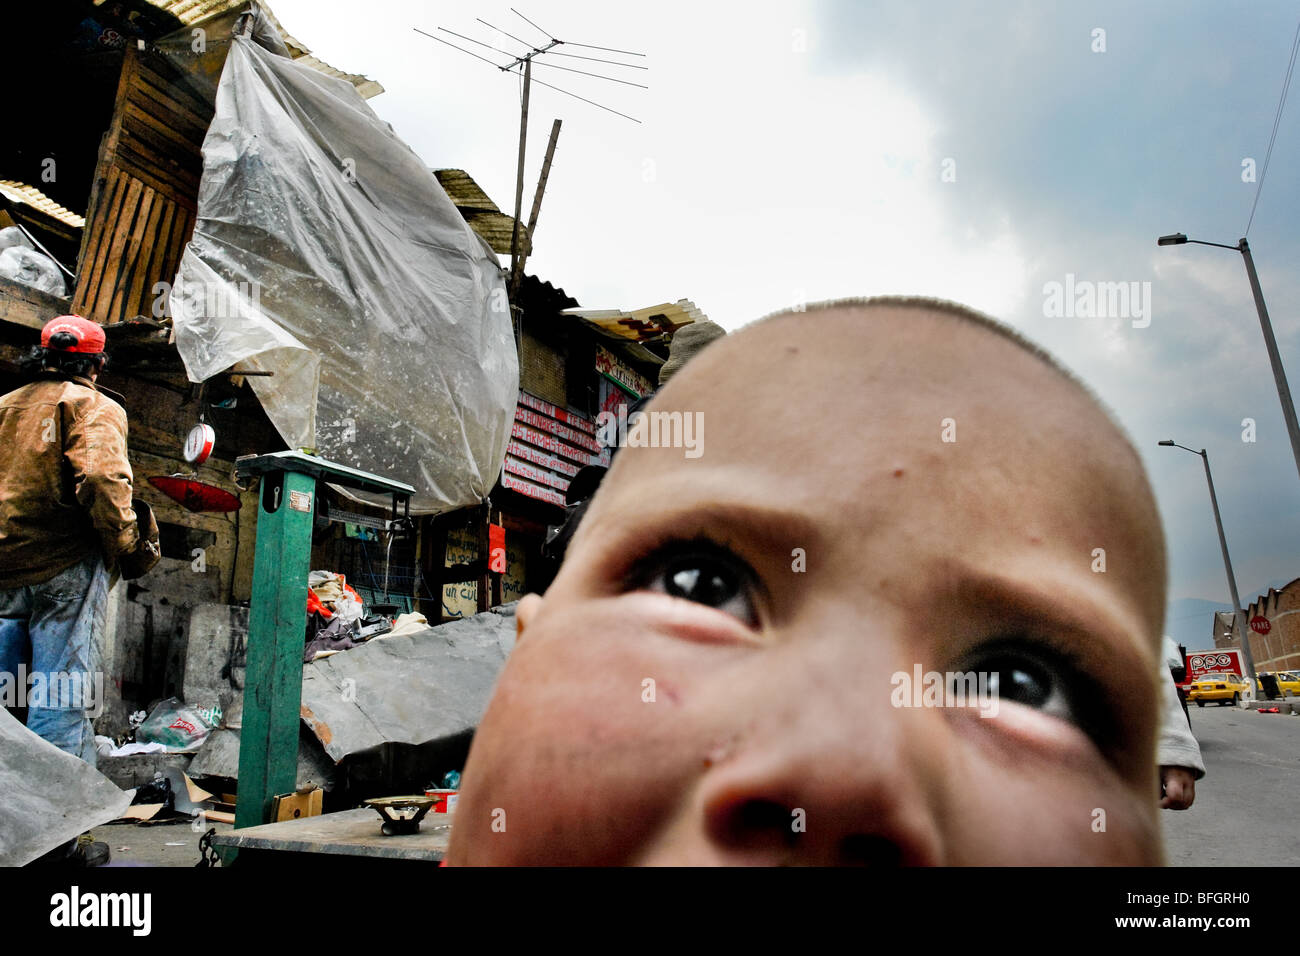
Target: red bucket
444	801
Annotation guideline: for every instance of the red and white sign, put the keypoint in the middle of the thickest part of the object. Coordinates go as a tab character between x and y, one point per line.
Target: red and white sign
609	365
559	414
1200	663
548	445
531	490
1260	624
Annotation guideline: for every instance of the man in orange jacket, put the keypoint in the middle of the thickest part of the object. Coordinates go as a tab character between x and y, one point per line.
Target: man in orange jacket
66	520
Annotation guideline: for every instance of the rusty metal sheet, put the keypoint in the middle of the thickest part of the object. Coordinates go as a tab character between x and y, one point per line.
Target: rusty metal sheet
419	688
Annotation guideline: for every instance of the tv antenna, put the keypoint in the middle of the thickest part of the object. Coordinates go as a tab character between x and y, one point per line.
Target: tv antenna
522	63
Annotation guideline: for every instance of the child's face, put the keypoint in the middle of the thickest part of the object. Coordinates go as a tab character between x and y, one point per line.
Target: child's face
827	540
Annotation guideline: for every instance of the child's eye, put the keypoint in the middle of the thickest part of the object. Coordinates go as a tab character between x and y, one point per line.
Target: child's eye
1042	678
1024	681
702	572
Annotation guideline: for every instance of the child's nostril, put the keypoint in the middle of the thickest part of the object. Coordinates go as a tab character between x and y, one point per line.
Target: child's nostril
765	822
763	815
863	849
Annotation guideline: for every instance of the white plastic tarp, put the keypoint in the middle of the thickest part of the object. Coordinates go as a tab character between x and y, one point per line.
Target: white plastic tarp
47	797
327	253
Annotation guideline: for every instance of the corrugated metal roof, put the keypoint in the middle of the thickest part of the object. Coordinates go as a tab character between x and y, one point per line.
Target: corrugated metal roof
640	325
190	12
30	195
481	212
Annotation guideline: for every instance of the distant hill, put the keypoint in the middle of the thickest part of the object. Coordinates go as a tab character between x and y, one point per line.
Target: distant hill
1187	620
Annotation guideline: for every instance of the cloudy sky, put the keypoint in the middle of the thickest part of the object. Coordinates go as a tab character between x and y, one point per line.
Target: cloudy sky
809	150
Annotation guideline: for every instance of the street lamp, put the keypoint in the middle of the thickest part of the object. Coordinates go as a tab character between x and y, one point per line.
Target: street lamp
1270	343
1238	613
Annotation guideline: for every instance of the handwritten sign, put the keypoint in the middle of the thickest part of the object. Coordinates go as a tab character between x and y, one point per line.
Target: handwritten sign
461	598
616	370
548	445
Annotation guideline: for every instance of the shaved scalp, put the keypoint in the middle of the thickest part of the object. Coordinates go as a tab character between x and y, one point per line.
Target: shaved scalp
954	310
944	309
961	313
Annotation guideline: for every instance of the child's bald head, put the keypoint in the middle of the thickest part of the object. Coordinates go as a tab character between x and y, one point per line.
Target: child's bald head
885	487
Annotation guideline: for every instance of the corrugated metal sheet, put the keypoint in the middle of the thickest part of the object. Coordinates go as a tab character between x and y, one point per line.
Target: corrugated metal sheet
641	325
423	687
190	12
20	192
481	212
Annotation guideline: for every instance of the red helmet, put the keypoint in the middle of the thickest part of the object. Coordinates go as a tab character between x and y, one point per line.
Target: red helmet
89	335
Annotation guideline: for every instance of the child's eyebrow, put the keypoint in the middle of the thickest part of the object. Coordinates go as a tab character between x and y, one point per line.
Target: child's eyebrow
1075	619
731	516
761	528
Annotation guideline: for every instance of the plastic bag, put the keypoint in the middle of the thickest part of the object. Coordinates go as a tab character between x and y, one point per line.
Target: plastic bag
176	725
326	252
29	267
13	236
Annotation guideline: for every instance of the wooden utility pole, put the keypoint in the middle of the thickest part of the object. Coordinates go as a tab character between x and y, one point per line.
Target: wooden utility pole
518	275
519	176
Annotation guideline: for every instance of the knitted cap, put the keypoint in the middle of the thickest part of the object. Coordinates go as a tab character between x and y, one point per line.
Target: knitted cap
687	341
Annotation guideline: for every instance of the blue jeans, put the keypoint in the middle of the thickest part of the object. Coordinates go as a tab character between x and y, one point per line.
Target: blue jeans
52	632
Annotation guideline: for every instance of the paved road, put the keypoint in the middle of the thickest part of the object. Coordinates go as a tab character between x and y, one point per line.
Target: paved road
1247	807
168	844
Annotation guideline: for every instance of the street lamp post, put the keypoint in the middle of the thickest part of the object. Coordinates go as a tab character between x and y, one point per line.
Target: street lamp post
1238	614
1270	343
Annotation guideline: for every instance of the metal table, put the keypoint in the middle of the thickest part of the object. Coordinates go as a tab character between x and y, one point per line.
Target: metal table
341	837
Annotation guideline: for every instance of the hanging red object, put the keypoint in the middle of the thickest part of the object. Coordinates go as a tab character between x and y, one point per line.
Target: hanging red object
496	548
194	494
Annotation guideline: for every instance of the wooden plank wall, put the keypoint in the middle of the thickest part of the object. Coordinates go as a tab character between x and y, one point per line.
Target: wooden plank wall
143	200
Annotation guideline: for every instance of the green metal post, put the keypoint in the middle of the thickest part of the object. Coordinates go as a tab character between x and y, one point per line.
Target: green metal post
268	741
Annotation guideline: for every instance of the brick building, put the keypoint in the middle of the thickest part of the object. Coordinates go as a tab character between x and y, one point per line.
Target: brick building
1274	633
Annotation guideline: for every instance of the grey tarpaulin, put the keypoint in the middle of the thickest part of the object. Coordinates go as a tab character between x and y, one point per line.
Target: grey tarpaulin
418	688
47	797
326	252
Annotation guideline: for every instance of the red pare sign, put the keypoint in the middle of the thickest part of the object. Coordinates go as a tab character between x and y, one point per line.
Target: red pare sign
1260	624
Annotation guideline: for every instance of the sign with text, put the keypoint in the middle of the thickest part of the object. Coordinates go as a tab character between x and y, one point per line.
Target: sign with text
1224	661
548	445
616	370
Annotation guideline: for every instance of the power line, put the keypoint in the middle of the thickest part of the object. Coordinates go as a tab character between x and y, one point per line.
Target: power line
462	50
605	48
1277	121
472	40
596	59
530	23
535	54
585	100
510	35
598	76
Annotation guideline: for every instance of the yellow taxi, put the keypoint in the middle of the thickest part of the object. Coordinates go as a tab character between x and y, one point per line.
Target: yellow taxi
1288	683
1225	688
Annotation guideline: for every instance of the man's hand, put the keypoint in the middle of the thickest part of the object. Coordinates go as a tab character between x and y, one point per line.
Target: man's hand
1177	788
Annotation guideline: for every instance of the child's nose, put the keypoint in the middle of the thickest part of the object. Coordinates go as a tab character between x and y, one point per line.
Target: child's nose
823	809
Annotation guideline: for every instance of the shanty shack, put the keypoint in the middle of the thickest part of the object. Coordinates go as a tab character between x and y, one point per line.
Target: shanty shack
269	259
